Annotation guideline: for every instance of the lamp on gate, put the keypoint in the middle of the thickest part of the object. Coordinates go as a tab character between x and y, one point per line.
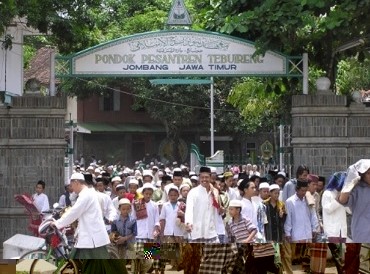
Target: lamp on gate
323	84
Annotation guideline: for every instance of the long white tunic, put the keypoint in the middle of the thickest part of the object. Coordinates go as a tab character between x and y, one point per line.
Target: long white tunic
107	207
334	215
91	230
201	214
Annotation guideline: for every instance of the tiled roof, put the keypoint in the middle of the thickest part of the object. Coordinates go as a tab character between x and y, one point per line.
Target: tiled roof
39	67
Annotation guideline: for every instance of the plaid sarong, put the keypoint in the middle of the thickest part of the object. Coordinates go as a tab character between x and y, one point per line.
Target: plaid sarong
205	241
166	253
218	258
318	257
159	264
144	260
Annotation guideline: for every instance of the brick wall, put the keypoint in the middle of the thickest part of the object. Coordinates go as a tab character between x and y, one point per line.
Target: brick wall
328	134
32	148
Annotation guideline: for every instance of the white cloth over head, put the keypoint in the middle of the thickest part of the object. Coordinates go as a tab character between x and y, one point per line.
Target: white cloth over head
353	175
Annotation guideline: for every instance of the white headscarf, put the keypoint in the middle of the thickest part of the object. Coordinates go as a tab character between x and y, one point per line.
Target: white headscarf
353	171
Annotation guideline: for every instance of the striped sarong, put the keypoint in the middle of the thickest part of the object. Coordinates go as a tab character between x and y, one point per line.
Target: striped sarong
318	253
214	240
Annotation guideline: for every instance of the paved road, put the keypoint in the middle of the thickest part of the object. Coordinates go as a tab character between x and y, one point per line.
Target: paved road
296	270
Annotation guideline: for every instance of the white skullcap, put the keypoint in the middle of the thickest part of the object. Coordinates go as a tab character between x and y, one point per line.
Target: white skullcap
274	186
137	172
235	203
117	178
120	186
147	173
184	185
124	201
282	173
148	186
77	176
173	187
264	185
133	181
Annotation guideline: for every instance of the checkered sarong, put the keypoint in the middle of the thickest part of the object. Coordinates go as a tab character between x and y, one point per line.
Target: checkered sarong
218	258
214	240
140	245
142	263
159	264
318	257
166	252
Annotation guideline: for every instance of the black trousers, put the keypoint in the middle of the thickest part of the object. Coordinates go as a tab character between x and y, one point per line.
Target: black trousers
264	264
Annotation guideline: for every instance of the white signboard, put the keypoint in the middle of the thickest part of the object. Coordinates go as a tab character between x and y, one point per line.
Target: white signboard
168	53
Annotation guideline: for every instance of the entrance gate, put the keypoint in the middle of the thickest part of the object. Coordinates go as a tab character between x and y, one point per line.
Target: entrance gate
181	57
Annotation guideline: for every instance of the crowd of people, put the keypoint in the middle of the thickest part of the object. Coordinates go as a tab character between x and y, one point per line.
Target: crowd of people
239	221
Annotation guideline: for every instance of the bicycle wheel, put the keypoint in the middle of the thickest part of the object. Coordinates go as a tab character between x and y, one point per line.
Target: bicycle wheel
63	266
68	266
38	254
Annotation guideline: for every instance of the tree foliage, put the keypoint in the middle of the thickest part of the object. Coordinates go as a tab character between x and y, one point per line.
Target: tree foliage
294	26
259	101
353	76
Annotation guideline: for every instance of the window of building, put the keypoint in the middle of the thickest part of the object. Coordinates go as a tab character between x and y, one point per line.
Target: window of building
111	101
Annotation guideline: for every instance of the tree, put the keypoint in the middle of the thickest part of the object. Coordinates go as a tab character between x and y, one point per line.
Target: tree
293	27
290	27
177	106
353	75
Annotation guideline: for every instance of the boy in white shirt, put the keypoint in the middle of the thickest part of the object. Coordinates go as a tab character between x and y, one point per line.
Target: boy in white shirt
120	191
147	219
172	234
40	199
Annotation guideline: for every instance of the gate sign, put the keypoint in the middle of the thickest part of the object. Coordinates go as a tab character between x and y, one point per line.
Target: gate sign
181	53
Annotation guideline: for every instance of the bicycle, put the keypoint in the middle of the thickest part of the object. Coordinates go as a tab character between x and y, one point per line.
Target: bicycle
56	248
